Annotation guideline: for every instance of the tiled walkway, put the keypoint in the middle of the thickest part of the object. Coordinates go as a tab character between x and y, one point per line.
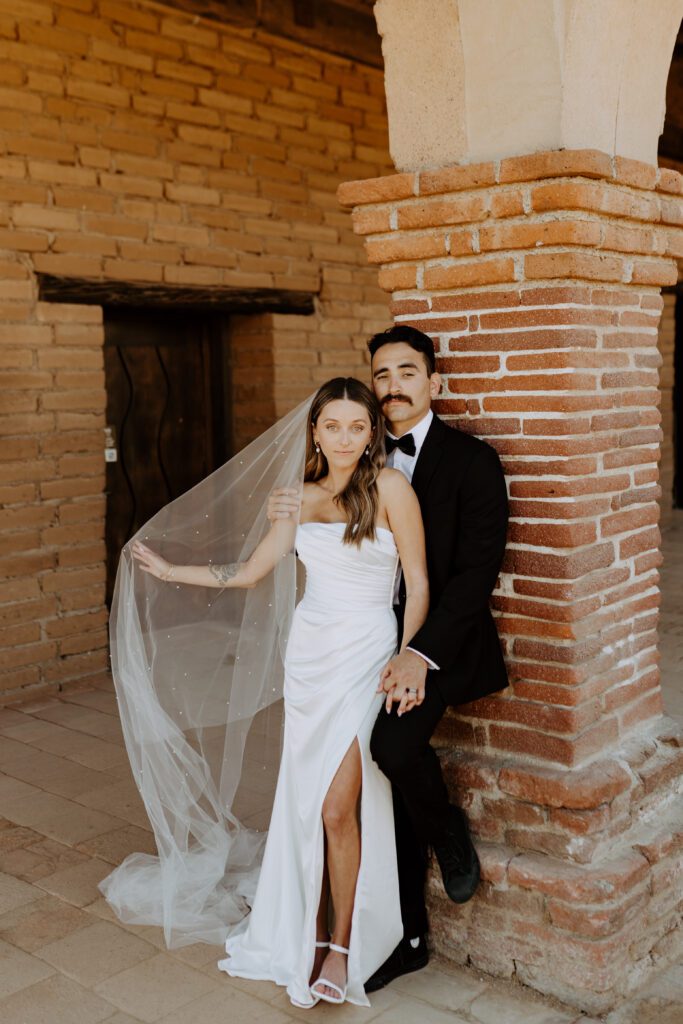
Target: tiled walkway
69	811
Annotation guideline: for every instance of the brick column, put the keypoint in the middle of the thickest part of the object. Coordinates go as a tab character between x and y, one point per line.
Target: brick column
539	279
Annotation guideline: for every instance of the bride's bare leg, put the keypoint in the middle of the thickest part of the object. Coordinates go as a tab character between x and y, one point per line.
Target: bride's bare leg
322	928
340	818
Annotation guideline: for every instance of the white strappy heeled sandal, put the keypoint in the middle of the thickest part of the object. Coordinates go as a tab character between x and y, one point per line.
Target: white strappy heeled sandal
330	984
316	997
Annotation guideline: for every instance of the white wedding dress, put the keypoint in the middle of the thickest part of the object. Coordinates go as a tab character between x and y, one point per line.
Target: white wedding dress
342	635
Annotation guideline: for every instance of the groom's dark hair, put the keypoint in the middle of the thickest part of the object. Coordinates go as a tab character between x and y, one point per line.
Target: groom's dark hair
410	336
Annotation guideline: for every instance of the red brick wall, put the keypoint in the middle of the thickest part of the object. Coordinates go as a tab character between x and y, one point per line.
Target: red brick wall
666	345
138	145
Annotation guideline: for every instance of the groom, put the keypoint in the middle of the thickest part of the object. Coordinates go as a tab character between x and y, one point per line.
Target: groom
455	656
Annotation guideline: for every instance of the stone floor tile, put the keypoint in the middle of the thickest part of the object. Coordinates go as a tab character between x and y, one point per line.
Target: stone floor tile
90	722
35	924
95	753
154	934
57	774
228	1004
444	987
14	893
120	798
198	955
57	1000
56	854
14	837
76	884
72	779
122	770
411	1011
9	717
115	846
125	1018
75	746
100	908
495	1006
31	731
31	706
12	790
155	988
100	700
19	969
265	990
40	859
12	751
59	818
23	864
92	954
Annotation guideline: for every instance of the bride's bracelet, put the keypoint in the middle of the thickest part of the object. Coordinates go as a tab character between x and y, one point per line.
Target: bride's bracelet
167	575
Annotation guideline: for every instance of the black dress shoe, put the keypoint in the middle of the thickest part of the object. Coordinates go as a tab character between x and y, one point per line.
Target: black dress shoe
405	959
458	859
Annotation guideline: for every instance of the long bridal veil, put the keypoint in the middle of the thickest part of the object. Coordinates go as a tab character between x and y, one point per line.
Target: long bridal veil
198	674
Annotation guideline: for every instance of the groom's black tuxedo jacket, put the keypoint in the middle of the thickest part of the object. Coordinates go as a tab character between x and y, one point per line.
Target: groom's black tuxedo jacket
461	489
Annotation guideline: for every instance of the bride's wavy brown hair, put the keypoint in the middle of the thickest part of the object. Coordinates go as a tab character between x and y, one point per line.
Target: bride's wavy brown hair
360	498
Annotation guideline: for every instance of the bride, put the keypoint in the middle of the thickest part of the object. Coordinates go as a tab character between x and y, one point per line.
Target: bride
325	912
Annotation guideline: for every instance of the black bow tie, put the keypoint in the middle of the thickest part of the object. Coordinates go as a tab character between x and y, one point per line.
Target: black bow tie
406	444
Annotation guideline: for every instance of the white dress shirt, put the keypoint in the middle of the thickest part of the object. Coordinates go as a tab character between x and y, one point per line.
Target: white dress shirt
406	463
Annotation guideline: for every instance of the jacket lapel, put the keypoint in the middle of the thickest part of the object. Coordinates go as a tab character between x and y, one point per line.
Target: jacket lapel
429	458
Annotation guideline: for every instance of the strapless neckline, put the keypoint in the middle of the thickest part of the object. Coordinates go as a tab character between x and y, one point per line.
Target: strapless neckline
318	522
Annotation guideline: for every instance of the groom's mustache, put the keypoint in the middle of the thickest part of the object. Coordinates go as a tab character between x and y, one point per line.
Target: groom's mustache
395	398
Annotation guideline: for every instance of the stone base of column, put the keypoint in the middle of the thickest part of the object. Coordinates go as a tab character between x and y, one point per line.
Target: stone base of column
581	871
539	278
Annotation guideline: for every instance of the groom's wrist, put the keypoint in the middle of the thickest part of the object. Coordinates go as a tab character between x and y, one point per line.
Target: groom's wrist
424	657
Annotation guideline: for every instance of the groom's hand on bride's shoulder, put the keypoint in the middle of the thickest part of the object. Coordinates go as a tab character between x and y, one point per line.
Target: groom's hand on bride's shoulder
283	503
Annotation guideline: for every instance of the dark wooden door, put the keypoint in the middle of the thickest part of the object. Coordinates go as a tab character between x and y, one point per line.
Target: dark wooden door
678	402
166	410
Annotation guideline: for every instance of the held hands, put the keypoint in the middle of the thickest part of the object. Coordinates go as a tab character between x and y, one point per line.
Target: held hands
403	680
154	564
283	503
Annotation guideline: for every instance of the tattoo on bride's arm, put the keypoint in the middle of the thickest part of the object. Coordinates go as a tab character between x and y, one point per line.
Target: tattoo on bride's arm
224	573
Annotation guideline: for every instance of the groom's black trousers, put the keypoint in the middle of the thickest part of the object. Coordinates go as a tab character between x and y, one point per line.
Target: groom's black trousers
401	748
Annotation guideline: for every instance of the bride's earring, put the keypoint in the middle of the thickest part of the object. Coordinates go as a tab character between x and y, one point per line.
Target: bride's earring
367	450
317	448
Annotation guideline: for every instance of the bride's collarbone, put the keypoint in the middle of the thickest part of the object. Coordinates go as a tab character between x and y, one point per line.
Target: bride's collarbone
321	508
317	511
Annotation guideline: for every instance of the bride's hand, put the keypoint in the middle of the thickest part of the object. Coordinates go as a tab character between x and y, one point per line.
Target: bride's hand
403	681
150	562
